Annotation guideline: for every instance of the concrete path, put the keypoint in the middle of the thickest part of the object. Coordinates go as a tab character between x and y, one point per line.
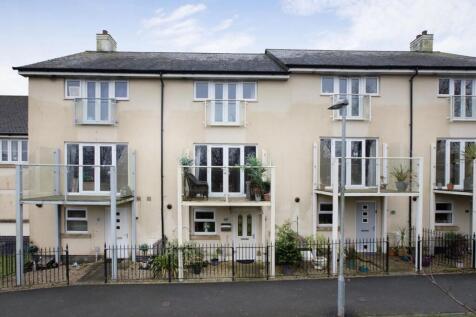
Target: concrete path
366	296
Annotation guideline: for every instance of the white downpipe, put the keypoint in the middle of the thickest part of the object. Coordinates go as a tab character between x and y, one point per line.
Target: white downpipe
179	223
385	221
57	174
432	185
315	178
419	211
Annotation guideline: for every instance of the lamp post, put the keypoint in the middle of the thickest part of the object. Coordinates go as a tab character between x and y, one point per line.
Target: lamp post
341	105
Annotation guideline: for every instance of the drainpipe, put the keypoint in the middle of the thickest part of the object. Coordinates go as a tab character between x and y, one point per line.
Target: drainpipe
162	158
411	150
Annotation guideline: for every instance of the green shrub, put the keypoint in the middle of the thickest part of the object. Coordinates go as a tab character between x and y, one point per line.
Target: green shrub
162	263
287	246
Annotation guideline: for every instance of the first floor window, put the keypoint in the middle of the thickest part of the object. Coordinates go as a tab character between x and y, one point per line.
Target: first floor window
324	215
444	86
349	85
13	150
231	90
204	222
73	88
451	165
76	220
95	89
444	214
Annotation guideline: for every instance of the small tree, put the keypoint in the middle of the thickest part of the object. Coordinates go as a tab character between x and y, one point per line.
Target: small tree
287	246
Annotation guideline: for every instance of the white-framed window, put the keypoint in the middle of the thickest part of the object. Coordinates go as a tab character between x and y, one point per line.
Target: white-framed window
76	220
444	215
204	222
443	86
13	151
222	181
95	179
451	165
331	85
324	214
213	90
360	173
96	89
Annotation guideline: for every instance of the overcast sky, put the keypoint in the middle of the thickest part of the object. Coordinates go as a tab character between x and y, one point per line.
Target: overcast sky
33	31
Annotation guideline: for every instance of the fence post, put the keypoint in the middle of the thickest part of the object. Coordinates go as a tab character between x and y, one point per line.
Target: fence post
267	261
387	249
328	257
232	263
418	253
67	265
105	264
169	258
474	252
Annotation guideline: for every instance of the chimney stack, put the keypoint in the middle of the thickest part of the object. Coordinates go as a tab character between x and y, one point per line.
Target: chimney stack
422	43
105	42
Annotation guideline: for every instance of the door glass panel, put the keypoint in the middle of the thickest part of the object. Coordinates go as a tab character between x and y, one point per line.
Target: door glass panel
105	158
72	171
325	162
217	173
219	109
91	101
355	103
468	168
455	151
468	99
201	160
234	175
88	172
232	103
356	164
249	226
240	225
370	164
440	163
104	101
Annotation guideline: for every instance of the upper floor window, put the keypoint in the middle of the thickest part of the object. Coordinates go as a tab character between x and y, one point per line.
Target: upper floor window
116	89
349	85
451	165
13	151
214	91
462	94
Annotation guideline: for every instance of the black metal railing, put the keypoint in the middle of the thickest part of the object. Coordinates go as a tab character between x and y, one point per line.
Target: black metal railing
364	256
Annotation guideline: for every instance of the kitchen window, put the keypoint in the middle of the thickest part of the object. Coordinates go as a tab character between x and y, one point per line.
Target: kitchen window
204	222
13	151
324	215
76	220
444	214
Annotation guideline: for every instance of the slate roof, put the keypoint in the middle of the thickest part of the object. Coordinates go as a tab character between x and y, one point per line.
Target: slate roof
155	62
372	59
13	115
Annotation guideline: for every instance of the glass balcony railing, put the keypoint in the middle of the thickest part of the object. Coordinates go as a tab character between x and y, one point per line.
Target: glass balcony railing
372	174
462	108
455	175
359	107
95	111
223	183
222	112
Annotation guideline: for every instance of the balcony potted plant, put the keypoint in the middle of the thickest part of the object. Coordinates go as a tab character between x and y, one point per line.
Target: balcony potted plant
469	157
255	170
402	177
267	189
450	186
186	162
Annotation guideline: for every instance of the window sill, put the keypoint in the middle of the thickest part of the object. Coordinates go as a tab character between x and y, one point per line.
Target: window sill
204	237
76	235
326	228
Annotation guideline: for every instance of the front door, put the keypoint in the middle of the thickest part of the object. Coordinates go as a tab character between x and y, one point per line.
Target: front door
245	235
365	226
122	230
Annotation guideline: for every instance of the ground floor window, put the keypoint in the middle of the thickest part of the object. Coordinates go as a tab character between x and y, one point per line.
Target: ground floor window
204	222
76	220
324	215
444	214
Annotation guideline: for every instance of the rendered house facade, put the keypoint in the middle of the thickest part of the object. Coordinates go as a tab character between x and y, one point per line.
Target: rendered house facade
102	113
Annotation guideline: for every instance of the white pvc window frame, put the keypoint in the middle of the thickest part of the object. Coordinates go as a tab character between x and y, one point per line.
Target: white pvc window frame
211	90
324	212
450	212
462	165
83	88
204	220
83	219
362	85
7	144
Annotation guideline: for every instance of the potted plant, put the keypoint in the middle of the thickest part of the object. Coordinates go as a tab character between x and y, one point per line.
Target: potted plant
450	186
402	250
469	156
194	259
383	185
186	162
163	264
255	171
351	257
266	189
144	248
287	248
402	177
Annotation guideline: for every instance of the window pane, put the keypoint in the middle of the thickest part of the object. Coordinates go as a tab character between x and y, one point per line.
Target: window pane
249	225
104	110
234	175
77	225
325	162
356	165
204	215
105	158
370	164
14	150
440	163
74	213
443	207
327	85
73	88
249	91
121	89
4	150
325	219
122	162
443	217
24	150
201	90
88	172
217	173
91	106
444	86
240	225
204	227
326	207
201	160
455	162
72	158
371	85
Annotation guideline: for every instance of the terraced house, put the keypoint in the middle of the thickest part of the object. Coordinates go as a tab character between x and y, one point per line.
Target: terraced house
125	123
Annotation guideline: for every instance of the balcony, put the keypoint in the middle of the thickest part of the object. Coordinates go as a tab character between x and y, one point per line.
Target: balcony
95	111
372	176
462	108
221	112
359	106
454	178
226	186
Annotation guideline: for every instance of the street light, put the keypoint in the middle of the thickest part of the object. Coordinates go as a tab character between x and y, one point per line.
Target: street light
341	105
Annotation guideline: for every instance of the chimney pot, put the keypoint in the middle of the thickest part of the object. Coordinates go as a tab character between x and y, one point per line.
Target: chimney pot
422	43
105	42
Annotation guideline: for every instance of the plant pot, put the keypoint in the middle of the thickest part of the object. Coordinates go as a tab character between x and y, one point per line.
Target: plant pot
392	252
402	252
267	197
257	196
321	263
450	186
401	186
405	258
214	262
363	269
